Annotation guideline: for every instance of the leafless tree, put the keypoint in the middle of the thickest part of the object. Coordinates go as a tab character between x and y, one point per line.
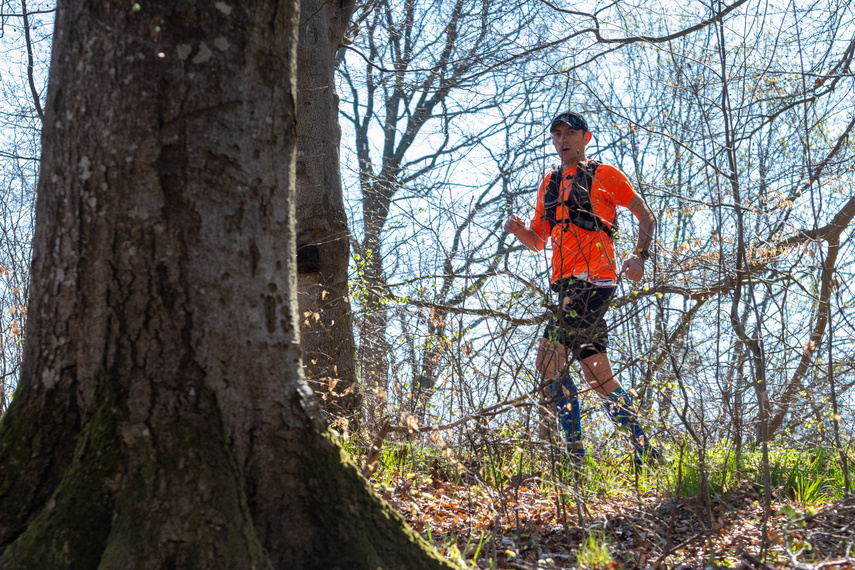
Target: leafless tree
25	35
421	79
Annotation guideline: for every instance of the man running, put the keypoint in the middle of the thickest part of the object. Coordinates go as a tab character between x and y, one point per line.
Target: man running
576	208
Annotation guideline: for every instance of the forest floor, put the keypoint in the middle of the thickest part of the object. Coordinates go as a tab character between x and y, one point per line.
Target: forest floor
598	517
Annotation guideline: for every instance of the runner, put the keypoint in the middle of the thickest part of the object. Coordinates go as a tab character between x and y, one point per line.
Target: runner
575	208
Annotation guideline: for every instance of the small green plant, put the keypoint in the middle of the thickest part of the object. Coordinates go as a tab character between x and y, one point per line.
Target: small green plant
689	481
809	476
604	476
720	467
477	549
594	553
809	489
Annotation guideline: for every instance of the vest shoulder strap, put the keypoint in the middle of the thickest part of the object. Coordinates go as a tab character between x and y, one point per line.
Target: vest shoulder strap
580	210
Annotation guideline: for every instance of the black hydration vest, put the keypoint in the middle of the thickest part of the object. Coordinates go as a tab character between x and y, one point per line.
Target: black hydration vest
580	210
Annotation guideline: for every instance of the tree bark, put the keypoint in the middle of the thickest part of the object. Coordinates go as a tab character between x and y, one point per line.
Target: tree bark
323	239
375	348
162	420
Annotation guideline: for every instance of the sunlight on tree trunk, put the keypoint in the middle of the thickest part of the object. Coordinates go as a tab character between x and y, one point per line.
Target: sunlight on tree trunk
323	239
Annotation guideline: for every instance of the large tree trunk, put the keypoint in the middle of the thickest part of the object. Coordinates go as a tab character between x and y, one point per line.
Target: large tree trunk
161	419
323	239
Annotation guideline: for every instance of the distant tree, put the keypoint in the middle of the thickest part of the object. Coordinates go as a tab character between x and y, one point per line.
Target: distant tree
25	29
323	238
417	90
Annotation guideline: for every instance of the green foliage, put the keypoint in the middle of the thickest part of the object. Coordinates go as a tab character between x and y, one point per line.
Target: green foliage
686	476
594	553
809	477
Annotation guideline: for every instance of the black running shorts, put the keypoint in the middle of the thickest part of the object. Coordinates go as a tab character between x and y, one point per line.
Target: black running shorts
580	324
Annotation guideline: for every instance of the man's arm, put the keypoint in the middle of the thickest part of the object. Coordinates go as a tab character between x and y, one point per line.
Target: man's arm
634	266
515	225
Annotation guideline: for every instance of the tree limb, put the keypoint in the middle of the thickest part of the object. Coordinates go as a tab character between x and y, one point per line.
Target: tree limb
30	63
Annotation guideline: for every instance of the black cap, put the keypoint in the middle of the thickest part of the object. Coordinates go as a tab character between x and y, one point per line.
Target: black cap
572	118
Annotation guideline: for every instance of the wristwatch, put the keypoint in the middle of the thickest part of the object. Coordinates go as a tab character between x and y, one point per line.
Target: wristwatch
642	253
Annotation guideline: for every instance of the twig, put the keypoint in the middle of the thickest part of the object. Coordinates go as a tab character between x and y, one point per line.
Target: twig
754	561
489	411
30	63
374	454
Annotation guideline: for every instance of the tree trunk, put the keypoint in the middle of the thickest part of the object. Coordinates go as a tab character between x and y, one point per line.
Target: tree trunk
323	239
161	419
374	349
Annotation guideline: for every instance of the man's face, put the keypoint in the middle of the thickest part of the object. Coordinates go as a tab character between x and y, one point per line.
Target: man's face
570	143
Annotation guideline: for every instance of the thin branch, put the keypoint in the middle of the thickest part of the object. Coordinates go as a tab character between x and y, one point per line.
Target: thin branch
30	63
649	39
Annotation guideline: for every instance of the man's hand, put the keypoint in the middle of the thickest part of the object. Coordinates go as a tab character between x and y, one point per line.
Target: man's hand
633	268
514	224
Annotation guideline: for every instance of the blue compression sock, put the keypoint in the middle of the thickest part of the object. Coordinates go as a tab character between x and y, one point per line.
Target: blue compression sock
618	406
566	398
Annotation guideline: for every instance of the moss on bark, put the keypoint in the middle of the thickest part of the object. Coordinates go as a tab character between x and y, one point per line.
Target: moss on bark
71	528
116	508
373	535
113	507
37	442
186	507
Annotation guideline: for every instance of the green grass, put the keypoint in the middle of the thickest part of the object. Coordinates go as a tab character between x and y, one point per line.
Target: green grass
808	476
594	552
685	475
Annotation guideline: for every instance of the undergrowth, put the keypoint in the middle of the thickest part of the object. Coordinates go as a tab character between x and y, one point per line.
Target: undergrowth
489	502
